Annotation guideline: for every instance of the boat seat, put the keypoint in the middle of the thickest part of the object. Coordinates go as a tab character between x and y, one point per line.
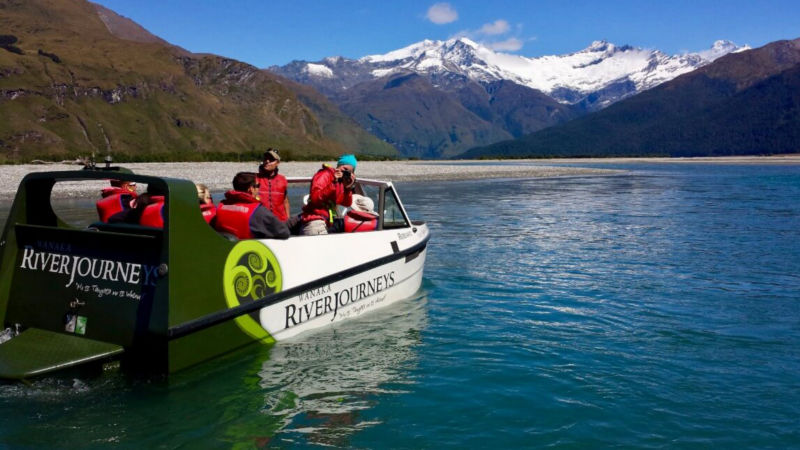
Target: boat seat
228	236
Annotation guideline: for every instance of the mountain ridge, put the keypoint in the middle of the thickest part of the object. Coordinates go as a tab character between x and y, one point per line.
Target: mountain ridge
743	103
566	78
547	91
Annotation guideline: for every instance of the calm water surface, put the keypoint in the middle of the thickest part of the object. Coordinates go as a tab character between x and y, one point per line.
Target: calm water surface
660	308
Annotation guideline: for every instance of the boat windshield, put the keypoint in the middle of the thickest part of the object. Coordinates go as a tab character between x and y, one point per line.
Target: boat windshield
393	216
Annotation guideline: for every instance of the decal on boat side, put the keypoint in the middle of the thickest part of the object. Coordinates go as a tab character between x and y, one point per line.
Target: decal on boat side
297	313
251	272
87	267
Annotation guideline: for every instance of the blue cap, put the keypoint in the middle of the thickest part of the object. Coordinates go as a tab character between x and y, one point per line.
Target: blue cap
349	160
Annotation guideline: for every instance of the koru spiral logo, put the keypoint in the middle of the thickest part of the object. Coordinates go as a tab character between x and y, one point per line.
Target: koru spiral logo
251	272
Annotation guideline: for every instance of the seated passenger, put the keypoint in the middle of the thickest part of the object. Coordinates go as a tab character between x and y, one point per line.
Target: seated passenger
242	215
147	210
116	198
207	207
360	217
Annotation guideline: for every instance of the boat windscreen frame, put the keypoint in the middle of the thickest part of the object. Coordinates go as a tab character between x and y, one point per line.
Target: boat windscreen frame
383	187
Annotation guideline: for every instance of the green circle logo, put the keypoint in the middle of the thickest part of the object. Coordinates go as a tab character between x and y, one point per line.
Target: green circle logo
251	272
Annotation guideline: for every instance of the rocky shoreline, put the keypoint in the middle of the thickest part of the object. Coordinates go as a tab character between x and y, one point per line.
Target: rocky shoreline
218	175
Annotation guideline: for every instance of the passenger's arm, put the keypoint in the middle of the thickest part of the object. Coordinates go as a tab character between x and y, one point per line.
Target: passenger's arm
322	191
264	225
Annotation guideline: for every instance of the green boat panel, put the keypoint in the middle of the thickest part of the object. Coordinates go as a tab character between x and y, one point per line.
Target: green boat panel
35	352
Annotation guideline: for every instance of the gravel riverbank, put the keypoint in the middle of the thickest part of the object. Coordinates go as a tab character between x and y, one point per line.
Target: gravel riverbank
218	175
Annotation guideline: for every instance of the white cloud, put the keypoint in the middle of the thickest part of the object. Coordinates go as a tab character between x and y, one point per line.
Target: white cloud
509	45
499	26
441	13
489	33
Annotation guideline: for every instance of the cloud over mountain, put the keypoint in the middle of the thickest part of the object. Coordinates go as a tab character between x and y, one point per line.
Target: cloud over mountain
442	13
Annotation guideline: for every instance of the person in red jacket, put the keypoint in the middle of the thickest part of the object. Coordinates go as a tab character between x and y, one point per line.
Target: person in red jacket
242	215
116	198
207	207
329	187
272	192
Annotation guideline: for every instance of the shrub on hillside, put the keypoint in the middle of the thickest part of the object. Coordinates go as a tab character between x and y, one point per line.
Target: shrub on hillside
7	39
52	56
7	42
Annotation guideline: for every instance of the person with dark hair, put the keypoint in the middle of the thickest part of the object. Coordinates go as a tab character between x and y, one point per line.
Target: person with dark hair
242	215
147	209
116	198
329	187
273	186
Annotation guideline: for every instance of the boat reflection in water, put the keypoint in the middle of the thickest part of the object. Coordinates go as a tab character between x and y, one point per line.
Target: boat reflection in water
321	383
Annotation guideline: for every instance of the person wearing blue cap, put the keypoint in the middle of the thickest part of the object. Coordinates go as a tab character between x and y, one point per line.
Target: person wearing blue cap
329	187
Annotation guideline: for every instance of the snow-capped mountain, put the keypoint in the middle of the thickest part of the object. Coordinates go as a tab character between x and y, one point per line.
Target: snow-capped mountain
568	78
436	99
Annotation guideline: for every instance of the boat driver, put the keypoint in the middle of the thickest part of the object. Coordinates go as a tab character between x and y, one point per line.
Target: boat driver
329	187
272	192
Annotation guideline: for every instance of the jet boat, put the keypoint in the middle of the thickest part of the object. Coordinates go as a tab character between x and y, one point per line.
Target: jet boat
161	299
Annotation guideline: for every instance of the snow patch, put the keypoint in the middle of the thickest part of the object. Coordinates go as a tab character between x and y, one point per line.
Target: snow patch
318	70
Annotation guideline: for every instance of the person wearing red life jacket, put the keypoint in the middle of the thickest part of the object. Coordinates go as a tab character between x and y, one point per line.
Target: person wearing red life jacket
147	210
360	217
329	187
273	186
242	215
116	198
153	213
207	207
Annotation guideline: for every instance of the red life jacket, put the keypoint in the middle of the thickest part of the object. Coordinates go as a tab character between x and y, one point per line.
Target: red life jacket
115	199
209	211
272	194
355	221
153	214
234	213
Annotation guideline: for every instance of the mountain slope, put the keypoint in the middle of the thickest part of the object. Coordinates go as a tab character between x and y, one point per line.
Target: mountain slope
76	88
743	103
407	112
339	126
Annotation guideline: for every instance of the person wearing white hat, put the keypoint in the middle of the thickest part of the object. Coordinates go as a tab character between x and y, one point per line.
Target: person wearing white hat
361	216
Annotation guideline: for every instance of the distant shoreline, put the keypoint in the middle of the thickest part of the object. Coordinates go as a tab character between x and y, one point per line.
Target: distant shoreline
218	175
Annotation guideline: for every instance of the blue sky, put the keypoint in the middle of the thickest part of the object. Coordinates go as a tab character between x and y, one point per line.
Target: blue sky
272	32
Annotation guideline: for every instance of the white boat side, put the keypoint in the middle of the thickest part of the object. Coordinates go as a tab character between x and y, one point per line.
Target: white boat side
361	271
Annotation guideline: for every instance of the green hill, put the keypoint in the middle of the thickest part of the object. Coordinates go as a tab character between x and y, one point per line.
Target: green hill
70	87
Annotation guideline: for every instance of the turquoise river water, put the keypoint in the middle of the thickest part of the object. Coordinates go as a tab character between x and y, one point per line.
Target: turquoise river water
656	308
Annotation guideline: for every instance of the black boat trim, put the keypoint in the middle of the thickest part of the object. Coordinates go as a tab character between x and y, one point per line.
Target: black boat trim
219	317
412	256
